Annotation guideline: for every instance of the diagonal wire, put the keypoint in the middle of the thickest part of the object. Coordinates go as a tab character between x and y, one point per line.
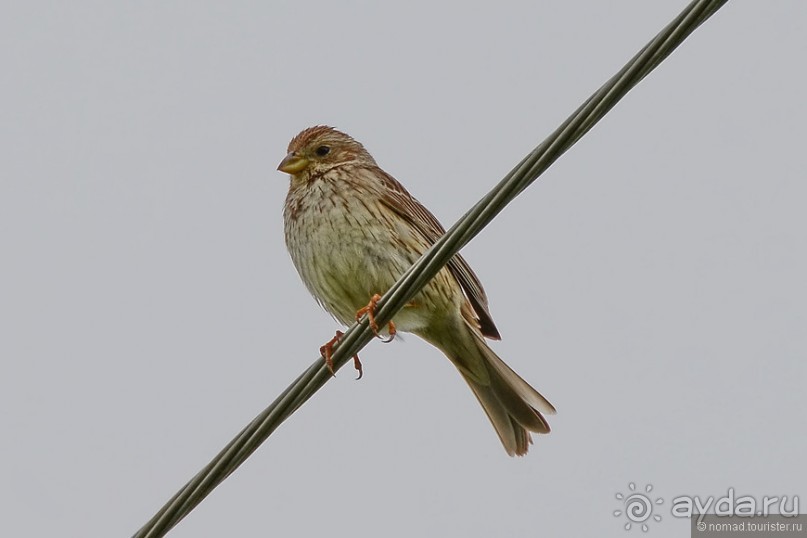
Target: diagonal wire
527	171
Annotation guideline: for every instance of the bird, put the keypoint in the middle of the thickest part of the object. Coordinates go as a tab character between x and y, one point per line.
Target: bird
352	230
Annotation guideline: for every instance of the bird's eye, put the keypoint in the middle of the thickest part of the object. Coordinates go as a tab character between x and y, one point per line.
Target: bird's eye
322	151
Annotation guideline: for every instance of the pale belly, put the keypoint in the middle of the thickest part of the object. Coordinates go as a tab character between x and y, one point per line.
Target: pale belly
345	257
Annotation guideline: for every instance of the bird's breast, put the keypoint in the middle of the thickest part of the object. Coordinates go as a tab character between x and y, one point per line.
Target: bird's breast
344	247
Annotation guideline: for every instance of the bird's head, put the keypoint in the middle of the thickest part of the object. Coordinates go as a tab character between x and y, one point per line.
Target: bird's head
318	149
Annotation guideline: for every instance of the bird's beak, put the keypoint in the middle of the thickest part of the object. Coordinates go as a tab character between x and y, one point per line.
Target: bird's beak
293	163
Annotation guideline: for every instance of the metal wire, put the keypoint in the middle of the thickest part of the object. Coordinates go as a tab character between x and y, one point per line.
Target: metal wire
527	171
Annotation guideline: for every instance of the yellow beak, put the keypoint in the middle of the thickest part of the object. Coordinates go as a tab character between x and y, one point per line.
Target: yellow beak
293	163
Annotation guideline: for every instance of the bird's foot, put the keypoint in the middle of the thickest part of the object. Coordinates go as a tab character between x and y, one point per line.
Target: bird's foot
327	353
370	311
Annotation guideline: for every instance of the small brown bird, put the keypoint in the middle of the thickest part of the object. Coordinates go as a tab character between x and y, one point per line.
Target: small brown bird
352	230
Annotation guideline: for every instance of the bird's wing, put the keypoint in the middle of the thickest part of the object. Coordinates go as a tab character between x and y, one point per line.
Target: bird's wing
398	199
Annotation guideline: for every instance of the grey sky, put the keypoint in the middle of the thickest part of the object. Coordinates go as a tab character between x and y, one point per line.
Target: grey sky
651	284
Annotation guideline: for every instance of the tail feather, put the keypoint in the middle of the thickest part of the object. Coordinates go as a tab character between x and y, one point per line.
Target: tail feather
512	433
512	405
524	389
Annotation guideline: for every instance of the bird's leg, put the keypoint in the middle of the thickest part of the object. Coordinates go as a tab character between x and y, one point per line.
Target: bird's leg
370	311
327	353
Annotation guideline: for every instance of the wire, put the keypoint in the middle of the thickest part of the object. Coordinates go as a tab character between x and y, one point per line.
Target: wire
518	179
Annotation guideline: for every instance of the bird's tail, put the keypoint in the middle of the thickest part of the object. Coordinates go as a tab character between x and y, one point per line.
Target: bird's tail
512	405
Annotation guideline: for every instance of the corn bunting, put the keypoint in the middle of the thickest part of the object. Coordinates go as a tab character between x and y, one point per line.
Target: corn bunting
352	230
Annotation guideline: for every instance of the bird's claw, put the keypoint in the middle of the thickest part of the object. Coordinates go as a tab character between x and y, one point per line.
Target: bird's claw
327	353
370	311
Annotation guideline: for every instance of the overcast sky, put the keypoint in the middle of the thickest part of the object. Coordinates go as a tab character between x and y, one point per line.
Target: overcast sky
651	284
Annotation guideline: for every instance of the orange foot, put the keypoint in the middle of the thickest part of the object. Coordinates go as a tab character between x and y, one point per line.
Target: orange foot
327	353
370	311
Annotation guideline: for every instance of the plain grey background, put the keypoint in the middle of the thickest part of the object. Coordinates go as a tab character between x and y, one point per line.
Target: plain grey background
651	284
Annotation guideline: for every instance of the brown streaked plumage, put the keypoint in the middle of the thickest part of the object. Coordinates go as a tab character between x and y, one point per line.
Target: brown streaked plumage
352	230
